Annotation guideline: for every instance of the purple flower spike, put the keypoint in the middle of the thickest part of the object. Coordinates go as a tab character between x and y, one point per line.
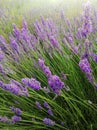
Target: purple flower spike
48	122
87	23
55	83
4	119
32	83
45	69
50	112
85	66
38	105
46	105
16	118
15	88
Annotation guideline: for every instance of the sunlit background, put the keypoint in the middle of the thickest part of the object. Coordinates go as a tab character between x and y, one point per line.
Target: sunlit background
15	10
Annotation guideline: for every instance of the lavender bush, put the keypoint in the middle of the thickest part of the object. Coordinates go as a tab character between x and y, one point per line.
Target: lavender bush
48	76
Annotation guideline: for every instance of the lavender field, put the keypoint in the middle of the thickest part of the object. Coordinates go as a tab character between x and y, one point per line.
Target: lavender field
48	65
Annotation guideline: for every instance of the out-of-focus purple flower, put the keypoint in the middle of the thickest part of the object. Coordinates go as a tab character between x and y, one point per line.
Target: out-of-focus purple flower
24	24
18	111
89	77
3	44
4	119
48	122
69	38
75	49
38	105
54	41
16	118
94	56
46	105
16	31
62	123
2	69
1	55
79	34
25	81
1	83
32	83
87	23
14	45
50	112
46	29
55	83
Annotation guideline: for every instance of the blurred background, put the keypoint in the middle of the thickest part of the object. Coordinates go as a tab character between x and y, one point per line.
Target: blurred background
13	11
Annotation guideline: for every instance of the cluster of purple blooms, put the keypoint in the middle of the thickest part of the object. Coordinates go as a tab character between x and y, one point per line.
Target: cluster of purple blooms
53	80
38	105
49	110
48	122
14	119
17	111
32	83
87	23
87	28
46	105
85	67
47	31
15	88
17	116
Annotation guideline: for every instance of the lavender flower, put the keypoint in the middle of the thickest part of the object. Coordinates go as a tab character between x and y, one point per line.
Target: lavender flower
32	83
54	41
3	44
45	69
70	39
38	105
14	45
4	119
16	118
16	32
85	67
87	23
46	105
48	122
25	81
55	83
16	110
50	112
94	56
15	89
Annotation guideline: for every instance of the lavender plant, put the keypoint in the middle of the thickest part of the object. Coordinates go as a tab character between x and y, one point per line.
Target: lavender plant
48	77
